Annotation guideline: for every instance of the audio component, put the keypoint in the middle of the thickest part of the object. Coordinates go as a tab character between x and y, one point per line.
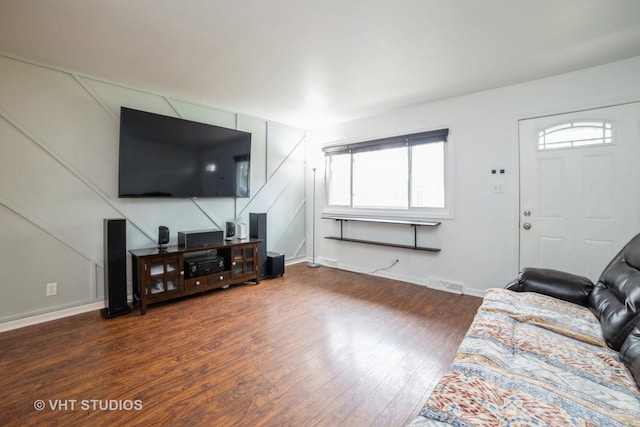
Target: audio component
231	230
191	239
275	264
201	265
115	268
242	230
258	230
163	237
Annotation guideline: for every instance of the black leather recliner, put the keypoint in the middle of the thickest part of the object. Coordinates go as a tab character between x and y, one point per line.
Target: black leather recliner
614	299
630	352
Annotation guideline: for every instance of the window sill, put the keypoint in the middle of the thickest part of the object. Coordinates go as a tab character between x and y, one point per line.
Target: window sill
391	215
383	220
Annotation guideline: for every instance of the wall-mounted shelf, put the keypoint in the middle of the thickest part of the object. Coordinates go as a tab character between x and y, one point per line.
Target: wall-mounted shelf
415	223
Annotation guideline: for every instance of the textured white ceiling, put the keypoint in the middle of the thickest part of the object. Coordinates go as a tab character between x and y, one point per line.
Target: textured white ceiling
310	63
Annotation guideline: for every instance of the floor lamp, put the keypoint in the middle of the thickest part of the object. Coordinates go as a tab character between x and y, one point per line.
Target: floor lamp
313	264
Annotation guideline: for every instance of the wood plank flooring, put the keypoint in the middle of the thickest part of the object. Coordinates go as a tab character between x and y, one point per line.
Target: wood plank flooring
317	347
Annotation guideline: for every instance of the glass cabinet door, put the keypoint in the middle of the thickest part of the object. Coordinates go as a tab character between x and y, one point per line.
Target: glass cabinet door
243	263
164	276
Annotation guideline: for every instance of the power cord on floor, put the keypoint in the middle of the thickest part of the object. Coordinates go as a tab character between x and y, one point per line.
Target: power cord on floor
385	268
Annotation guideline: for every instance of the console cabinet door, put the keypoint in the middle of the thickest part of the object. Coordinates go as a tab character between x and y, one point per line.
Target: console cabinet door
244	262
164	276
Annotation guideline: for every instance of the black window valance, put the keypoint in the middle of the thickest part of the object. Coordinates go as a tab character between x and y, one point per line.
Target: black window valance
391	142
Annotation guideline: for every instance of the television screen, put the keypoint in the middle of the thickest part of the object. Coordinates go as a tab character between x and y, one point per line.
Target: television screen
163	156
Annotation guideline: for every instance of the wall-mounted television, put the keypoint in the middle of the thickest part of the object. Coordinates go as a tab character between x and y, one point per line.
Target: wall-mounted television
162	156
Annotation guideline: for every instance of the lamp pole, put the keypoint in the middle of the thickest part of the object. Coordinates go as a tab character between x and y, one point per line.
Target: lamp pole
313	264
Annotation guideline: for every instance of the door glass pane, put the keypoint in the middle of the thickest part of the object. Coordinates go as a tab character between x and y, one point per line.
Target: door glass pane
157	286
575	134
172	265
172	284
156	268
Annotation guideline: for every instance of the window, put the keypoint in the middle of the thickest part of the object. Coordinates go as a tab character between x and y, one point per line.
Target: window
404	172
575	134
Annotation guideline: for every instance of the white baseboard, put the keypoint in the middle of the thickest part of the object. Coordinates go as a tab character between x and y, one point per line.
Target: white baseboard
428	283
291	261
46	317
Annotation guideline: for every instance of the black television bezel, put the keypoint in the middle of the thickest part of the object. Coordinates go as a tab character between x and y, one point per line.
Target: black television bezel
177	121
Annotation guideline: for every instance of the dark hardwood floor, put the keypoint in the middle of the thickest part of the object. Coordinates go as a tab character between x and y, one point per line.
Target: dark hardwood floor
316	347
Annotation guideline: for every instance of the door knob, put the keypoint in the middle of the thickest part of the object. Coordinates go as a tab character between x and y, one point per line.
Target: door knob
527	213
526	226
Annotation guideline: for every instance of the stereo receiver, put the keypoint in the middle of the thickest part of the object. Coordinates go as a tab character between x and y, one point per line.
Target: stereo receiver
202	265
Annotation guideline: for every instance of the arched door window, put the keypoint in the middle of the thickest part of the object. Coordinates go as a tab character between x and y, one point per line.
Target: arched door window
576	134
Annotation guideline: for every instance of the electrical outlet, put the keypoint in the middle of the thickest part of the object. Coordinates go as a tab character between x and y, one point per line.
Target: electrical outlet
497	189
52	289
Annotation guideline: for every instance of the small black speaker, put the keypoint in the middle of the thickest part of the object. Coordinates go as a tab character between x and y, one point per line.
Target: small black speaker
258	230
230	230
115	268
163	237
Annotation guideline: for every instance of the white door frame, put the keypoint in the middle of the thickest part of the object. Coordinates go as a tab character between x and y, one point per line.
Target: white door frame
550	118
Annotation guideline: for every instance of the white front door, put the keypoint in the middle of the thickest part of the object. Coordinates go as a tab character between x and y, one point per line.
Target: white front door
579	200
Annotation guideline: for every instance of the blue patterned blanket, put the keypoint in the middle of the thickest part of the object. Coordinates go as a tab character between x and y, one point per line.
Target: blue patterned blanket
533	360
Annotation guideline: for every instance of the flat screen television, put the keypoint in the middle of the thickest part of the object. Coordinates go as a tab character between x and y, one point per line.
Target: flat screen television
163	156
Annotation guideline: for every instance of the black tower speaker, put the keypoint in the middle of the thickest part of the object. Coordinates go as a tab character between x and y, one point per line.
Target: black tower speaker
258	230
115	268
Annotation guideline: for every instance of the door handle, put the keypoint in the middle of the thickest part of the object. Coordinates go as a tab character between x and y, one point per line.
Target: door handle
526	226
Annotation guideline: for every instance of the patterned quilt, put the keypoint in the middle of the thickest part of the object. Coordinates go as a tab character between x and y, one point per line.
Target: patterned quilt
533	360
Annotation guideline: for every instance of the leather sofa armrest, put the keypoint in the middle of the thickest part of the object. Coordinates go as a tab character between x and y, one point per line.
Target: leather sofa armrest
558	284
630	352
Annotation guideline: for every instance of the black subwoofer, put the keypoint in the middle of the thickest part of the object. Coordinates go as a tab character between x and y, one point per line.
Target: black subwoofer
275	264
115	268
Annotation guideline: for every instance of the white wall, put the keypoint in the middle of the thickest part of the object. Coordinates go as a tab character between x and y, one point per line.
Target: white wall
480	241
58	179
